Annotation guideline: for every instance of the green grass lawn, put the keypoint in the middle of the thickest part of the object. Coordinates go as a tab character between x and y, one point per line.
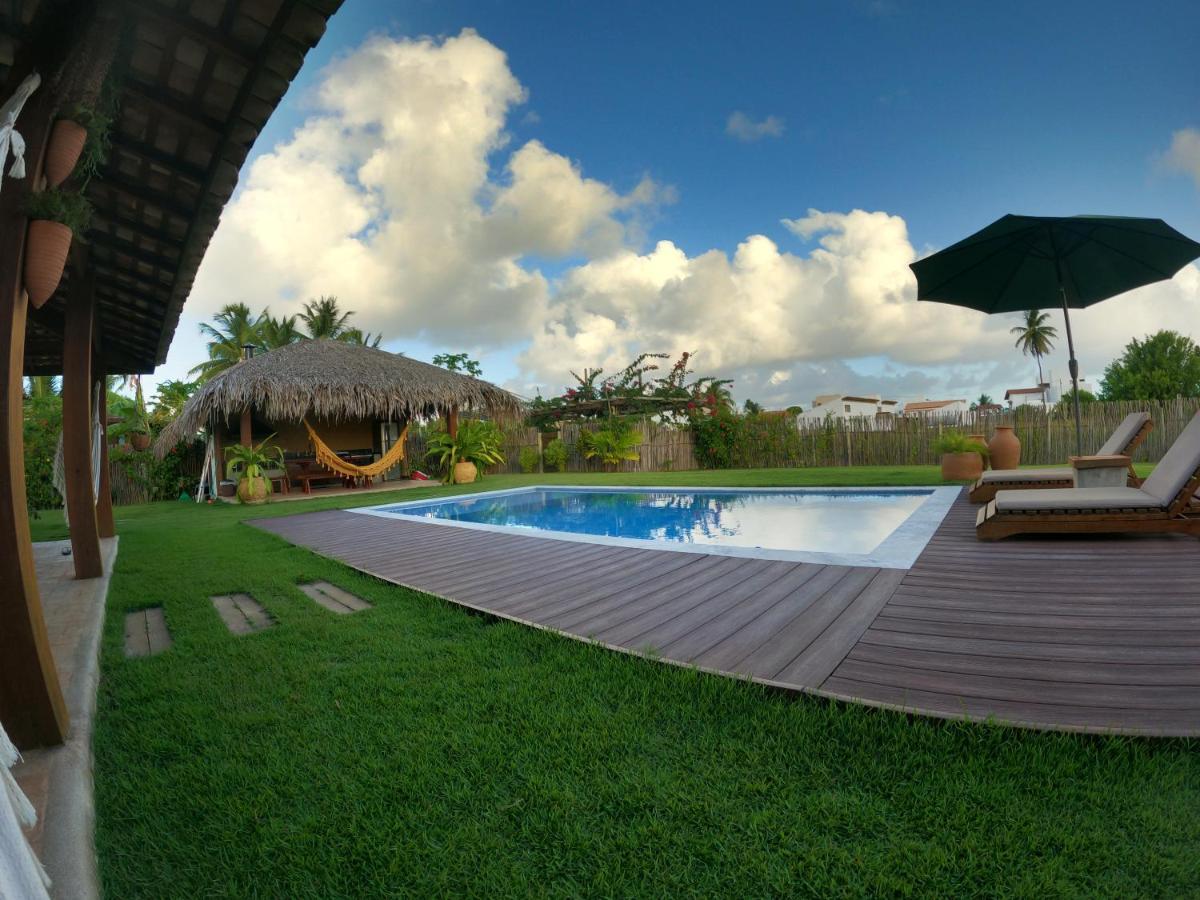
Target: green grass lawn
419	749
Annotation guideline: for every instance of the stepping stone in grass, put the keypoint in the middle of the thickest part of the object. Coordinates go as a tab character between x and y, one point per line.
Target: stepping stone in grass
241	613
146	632
333	597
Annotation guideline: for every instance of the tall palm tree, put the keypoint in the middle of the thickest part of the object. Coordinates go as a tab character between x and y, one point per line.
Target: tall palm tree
1035	337
984	400
324	319
170	399
233	327
357	336
279	332
42	386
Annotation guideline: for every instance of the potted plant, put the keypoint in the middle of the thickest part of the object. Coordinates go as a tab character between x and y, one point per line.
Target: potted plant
962	458
80	128
250	464
133	421
54	217
477	445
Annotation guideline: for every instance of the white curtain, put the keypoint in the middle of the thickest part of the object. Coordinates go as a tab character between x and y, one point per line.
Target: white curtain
58	474
10	138
21	874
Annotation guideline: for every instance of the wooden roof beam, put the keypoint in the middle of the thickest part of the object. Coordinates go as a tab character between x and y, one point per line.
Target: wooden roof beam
212	38
121	184
151	154
138	227
117	245
180	108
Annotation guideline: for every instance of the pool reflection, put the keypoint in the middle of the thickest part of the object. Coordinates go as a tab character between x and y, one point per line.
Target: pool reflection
852	522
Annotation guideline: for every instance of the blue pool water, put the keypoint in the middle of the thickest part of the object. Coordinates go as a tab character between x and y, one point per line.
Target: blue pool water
804	520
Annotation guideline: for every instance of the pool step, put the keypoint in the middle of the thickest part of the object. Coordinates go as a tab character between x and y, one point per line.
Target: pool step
241	613
333	598
146	632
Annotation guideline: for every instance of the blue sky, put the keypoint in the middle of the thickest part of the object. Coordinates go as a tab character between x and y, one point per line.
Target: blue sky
946	115
949	114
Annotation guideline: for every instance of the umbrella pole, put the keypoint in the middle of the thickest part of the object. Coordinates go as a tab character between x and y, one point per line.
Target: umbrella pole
1073	365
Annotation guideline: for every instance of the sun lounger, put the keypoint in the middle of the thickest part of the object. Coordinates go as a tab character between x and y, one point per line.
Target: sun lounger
1166	502
1123	441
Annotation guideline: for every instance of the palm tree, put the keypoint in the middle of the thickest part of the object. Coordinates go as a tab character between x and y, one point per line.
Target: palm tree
233	328
357	336
170	398
1035	338
984	400
42	386
279	332
324	319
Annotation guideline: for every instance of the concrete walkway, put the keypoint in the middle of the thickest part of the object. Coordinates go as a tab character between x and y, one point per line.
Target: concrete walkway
58	781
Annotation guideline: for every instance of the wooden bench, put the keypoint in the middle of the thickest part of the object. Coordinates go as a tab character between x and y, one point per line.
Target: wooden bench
306	476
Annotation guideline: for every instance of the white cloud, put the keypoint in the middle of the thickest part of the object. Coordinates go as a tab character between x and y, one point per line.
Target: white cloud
386	198
1184	153
746	129
765	311
402	195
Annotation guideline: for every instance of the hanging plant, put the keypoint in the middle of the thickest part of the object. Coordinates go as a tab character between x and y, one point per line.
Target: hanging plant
79	138
54	217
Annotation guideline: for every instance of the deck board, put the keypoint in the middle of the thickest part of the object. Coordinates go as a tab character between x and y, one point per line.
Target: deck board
1093	634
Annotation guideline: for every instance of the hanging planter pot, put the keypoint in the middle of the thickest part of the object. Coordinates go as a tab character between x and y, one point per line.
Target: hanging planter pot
46	248
62	153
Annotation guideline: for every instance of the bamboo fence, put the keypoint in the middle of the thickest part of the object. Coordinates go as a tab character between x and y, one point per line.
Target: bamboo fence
1047	438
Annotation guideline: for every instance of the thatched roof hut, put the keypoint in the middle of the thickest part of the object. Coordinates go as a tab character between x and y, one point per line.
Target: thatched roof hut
335	381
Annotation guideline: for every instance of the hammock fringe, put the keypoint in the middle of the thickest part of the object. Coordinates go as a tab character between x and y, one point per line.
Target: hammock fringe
330	460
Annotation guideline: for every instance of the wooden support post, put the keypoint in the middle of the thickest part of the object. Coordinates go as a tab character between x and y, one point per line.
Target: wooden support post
31	700
247	434
77	423
452	422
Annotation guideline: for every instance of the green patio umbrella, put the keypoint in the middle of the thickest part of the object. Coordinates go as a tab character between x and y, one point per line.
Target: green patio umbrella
1044	262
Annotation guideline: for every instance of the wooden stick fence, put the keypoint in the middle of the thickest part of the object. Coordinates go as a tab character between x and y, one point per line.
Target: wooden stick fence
1047	438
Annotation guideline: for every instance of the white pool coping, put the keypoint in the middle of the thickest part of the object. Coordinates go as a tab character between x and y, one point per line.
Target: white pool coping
899	550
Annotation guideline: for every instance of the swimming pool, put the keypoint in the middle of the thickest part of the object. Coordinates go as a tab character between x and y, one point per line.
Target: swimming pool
885	527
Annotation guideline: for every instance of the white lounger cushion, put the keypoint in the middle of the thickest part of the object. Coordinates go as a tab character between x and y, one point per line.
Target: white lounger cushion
1075	498
1120	438
1177	466
1054	473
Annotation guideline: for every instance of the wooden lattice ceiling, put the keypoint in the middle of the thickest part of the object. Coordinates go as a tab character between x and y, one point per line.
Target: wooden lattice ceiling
201	79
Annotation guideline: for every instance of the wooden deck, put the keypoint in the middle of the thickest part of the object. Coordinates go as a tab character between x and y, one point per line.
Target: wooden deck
1091	634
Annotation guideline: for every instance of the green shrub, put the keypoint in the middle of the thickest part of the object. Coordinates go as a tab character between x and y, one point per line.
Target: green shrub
615	442
957	442
528	458
555	455
42	423
717	437
65	207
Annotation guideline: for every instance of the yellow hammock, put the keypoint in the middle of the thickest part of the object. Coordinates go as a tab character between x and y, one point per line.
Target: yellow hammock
330	460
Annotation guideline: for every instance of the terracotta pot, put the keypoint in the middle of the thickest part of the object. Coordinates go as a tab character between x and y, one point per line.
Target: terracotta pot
62	153
982	441
465	472
139	441
1005	448
46	249
961	466
253	491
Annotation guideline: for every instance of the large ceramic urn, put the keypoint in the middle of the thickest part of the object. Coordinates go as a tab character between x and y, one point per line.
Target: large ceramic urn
1004	449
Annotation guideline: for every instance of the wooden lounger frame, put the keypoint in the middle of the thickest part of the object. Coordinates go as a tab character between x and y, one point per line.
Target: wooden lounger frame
983	492
1182	516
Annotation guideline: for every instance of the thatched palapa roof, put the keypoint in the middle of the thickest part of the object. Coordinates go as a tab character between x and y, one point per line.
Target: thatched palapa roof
334	380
